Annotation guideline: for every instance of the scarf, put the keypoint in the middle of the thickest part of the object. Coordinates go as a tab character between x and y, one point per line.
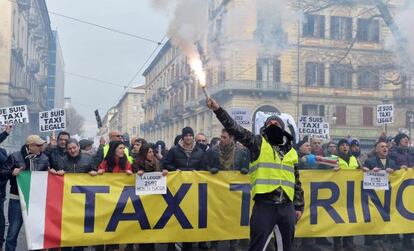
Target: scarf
226	155
187	150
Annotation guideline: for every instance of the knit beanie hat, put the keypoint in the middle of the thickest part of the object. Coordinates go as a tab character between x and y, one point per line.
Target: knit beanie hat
342	141
187	130
279	120
399	137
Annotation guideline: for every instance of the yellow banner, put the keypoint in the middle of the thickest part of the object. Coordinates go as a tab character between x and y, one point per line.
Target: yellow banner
336	205
204	207
197	207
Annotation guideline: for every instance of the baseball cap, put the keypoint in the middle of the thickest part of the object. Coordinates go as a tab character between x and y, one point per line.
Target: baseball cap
34	140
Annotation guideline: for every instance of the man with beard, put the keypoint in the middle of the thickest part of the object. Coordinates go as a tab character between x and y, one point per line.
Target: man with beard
275	185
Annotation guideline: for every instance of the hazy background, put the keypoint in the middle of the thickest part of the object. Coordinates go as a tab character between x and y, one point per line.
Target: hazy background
101	54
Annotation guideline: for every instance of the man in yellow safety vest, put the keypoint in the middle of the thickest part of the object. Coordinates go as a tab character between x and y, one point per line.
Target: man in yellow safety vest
274	178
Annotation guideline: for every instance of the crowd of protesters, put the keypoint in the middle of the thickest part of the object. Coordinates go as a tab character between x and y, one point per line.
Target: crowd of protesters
190	152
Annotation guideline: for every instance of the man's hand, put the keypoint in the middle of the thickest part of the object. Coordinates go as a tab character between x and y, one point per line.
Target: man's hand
60	172
389	170
93	173
52	171
8	128
365	169
101	171
376	169
298	215
129	172
17	171
164	172
140	172
212	104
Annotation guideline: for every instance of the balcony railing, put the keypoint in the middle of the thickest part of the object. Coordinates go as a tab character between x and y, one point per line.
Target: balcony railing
251	86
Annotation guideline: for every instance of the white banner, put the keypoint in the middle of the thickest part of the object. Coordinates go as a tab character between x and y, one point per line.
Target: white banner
376	180
52	120
151	183
385	114
313	126
14	115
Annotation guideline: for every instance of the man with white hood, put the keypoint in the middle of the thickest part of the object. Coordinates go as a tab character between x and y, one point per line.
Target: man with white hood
274	177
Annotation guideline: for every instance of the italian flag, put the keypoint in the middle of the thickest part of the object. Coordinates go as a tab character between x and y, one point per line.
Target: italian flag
41	200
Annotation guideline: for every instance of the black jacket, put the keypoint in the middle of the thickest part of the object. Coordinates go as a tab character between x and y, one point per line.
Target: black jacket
254	144
177	159
83	163
241	158
375	161
21	159
55	155
3	136
3	180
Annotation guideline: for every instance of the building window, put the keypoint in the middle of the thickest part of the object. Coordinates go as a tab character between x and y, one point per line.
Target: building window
340	115
368	30
268	70
368	116
313	110
341	28
315	74
341	75
314	26
368	78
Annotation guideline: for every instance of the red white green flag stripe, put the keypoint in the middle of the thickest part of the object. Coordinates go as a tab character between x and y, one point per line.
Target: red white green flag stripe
41	200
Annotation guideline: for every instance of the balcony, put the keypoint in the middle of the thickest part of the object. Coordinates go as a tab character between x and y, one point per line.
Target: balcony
404	96
162	91
33	22
23	4
250	87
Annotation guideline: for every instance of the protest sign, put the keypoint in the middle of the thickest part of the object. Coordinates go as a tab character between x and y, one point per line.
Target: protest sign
14	115
150	183
385	114
376	180
241	116
313	126
52	120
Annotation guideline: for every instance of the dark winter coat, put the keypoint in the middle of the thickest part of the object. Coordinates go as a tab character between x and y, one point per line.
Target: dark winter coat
22	159
177	159
3	180
55	154
83	163
254	144
3	136
402	156
241	158
375	161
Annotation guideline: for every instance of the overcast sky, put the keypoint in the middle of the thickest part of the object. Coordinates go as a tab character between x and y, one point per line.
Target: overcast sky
102	54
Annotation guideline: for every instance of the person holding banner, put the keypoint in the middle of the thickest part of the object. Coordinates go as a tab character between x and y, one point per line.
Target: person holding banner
74	161
276	188
30	157
3	181
57	152
346	162
381	161
148	163
116	161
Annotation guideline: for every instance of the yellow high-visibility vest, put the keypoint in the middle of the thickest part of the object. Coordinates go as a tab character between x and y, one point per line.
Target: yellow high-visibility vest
268	172
353	163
